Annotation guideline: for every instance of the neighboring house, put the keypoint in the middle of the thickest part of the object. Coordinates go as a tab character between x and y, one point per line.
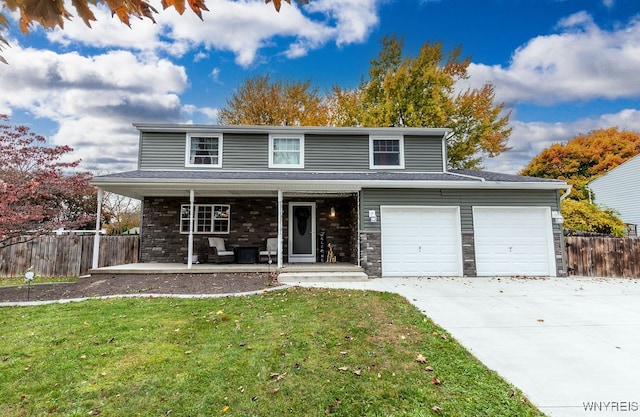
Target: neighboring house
382	197
619	189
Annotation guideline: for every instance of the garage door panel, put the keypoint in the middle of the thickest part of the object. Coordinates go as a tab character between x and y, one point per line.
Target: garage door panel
513	241
421	241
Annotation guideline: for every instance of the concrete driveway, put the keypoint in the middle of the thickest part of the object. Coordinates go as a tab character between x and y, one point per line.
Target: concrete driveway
571	344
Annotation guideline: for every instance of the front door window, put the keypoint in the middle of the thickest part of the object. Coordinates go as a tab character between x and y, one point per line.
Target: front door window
302	232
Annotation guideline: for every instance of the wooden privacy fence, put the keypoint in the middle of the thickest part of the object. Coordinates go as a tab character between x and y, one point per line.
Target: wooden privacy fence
603	257
66	256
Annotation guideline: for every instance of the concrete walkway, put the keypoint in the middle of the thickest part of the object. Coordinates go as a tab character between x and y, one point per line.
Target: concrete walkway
571	344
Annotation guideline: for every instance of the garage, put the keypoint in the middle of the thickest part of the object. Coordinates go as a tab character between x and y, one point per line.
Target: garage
513	241
421	241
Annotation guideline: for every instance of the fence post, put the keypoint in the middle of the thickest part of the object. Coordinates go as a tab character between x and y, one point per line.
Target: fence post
96	238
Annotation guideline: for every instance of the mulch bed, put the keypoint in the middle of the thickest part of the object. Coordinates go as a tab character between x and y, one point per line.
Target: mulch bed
127	284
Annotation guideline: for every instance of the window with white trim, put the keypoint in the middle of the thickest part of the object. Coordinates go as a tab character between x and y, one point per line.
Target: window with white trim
204	150
386	152
208	218
286	151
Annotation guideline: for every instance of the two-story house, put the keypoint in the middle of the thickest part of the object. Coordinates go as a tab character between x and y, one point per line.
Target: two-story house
383	198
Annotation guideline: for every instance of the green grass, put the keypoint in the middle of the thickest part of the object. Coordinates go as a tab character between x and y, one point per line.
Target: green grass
287	352
7	282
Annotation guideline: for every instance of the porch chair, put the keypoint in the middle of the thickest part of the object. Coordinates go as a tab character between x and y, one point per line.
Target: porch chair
271	249
218	253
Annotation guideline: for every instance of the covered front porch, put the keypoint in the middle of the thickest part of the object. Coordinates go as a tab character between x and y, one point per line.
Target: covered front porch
185	215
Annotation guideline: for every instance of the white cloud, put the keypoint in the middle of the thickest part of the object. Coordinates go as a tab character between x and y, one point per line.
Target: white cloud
582	62
93	99
243	27
529	139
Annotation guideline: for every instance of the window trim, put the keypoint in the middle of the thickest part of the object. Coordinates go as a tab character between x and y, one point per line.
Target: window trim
272	137
213	219
187	156
400	140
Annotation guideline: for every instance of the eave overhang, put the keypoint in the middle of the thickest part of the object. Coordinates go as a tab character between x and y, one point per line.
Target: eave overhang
175	187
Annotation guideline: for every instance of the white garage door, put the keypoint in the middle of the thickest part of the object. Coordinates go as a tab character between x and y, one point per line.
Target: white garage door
513	241
421	241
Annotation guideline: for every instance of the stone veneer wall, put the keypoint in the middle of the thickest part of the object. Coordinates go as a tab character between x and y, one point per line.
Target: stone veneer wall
469	255
252	220
371	253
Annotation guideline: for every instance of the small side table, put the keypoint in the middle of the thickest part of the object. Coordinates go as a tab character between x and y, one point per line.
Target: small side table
247	254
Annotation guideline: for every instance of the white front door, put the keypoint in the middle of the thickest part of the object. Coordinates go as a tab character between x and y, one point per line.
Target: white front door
302	232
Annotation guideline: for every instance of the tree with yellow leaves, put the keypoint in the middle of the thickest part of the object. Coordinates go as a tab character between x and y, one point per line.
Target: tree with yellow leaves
421	91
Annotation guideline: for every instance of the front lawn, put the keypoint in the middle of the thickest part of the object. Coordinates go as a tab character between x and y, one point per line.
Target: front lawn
297	352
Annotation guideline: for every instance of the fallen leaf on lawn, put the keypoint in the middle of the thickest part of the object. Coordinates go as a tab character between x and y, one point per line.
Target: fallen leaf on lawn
219	312
187	352
443	337
83	357
436	408
512	393
428	369
421	358
277	376
254	398
357	372
343	368
242	344
103	374
435	381
344	352
225	408
241	389
275	390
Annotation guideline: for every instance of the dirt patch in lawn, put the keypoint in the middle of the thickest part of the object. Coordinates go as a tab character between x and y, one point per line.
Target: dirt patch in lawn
126	284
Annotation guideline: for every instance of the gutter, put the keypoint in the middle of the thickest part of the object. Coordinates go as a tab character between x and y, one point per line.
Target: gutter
569	188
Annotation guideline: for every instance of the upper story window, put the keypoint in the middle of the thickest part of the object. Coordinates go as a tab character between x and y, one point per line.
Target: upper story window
208	218
286	151
204	150
386	152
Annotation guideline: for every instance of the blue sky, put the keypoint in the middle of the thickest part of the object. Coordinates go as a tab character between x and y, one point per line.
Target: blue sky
562	67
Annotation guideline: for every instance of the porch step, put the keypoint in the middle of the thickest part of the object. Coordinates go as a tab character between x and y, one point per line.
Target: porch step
326	276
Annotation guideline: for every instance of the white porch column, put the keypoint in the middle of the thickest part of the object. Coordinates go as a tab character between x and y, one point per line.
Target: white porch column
96	237
191	217
280	213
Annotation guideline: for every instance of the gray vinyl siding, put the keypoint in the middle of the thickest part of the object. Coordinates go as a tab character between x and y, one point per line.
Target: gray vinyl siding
250	152
423	153
336	153
162	151
245	152
372	199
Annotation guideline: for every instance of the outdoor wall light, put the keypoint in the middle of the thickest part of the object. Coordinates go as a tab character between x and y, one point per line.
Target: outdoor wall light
332	212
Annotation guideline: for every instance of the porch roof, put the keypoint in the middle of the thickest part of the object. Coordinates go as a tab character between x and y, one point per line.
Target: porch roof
143	183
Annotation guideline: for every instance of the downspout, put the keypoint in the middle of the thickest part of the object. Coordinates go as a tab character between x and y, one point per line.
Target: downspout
569	188
96	237
280	229
358	209
191	217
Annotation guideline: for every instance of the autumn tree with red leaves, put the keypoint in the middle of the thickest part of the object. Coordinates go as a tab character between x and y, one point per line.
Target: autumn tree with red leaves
38	191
